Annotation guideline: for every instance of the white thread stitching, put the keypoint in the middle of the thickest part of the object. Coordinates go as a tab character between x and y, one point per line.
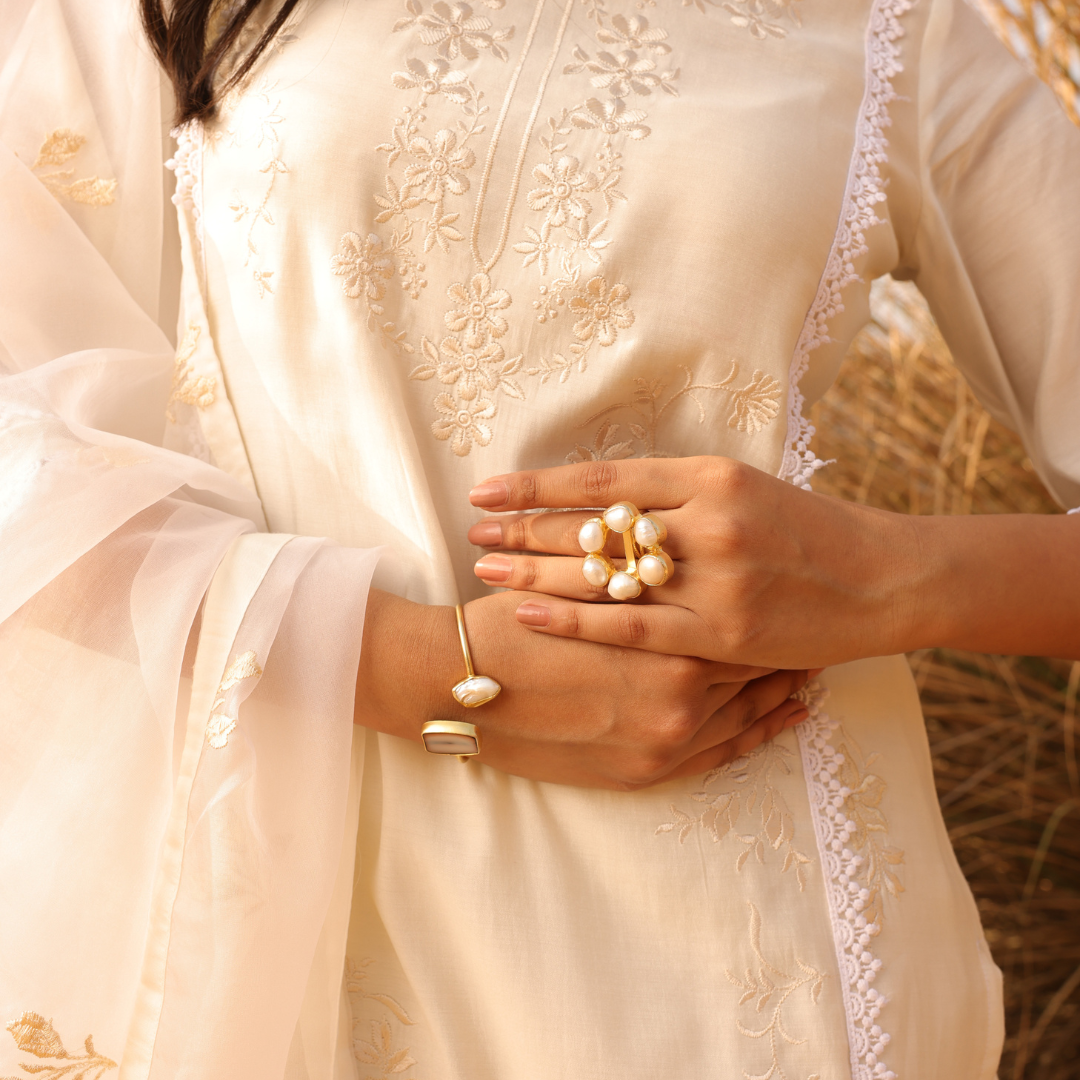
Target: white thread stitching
864	189
844	872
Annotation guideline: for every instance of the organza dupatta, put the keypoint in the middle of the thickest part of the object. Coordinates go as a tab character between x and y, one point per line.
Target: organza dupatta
176	684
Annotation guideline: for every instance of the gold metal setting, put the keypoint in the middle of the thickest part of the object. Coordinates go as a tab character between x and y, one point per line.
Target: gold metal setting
474	690
646	561
457	736
451	737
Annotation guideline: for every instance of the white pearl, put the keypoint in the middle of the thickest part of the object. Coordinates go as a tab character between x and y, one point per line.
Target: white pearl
619	517
655	569
650	531
623	586
476	691
591	536
596	571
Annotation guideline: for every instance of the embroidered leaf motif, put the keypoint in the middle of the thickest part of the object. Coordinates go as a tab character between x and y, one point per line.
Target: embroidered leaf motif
59	145
222	720
33	1034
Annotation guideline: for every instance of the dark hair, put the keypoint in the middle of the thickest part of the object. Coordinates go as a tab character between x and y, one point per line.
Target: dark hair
178	33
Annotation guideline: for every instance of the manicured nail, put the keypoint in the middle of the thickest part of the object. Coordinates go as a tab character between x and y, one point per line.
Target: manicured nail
494	568
486	534
797	717
493	493
533	615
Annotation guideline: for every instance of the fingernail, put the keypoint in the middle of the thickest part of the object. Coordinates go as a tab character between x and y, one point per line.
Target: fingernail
797	717
813	673
493	493
494	568
486	534
533	615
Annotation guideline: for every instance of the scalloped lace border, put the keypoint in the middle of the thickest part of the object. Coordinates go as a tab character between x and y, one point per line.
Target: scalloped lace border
865	188
853	934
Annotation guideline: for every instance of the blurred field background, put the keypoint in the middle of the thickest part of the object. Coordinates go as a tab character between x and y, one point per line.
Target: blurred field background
908	435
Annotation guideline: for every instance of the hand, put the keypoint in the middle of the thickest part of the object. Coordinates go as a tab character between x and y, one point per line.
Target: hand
570	712
765	573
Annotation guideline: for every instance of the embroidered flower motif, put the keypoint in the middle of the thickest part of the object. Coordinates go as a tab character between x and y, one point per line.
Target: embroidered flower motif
363	265
476	314
754	15
560	190
396	203
440	167
463	423
441	231
756	403
538	248
622	73
606	446
612	117
434	77
588	241
469	368
58	147
634	33
601	311
457	31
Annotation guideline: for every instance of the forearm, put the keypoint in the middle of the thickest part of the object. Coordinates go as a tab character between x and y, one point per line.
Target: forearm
1005	583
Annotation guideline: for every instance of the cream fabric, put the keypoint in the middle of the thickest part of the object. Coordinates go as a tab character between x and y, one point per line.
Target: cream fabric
605	230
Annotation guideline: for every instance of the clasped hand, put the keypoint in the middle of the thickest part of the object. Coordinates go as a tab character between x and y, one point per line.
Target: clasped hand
765	573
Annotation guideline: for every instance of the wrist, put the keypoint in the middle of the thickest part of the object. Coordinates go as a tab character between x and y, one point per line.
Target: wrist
409	660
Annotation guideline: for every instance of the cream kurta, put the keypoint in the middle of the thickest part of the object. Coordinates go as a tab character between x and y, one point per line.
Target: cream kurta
429	243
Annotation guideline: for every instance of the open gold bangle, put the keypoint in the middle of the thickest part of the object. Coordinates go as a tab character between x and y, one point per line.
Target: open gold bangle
457	736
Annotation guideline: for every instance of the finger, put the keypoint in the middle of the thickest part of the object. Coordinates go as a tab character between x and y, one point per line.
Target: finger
743	709
656	482
556	532
557	576
544	574
662	628
763	730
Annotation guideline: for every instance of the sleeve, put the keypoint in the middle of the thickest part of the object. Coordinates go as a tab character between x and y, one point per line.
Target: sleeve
176	683
996	250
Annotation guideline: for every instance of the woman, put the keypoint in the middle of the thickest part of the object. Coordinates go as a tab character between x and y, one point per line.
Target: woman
447	258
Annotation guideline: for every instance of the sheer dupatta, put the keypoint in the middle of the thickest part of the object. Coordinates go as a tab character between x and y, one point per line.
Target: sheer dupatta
176	684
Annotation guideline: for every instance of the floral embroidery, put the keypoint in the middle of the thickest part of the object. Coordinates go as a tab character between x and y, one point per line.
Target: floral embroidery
439	165
33	1034
374	1049
865	189
267	134
58	147
746	784
856	863
463	423
222	718
754	405
763	18
771	985
187	387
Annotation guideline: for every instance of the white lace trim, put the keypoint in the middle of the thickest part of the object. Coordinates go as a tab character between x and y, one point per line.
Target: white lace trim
186	163
845	875
865	188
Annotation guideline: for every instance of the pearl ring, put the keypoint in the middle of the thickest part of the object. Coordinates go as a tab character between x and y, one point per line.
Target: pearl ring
646	560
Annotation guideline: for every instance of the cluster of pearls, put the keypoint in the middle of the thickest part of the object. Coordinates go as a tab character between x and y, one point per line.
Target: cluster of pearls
646	561
846	884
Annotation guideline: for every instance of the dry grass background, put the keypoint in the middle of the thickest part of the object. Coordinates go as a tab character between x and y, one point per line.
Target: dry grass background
908	435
